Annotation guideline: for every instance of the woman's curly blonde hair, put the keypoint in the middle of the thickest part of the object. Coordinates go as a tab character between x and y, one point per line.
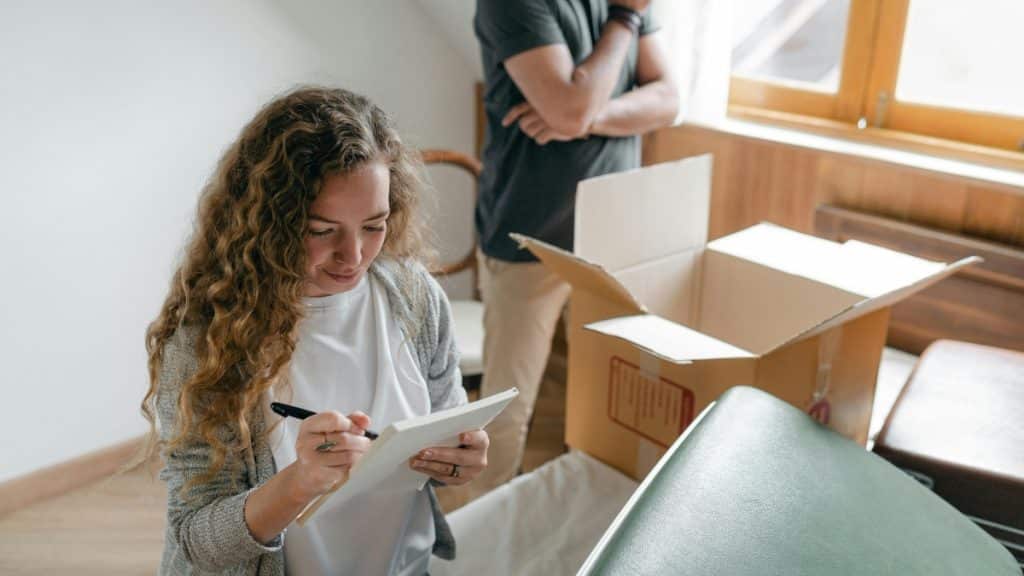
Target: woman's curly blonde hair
241	282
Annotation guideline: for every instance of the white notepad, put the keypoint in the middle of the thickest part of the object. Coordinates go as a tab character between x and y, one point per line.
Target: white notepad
388	456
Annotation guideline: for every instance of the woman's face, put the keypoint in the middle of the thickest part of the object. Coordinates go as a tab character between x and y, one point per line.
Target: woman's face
346	229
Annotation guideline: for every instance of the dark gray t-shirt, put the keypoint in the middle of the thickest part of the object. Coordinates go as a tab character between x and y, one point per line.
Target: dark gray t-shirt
525	187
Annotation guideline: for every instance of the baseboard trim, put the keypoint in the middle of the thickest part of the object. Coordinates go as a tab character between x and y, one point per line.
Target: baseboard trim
61	478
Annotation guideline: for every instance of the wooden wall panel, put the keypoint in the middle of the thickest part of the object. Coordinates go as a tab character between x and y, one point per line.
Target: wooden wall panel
841	180
959	308
994	214
983	303
757	180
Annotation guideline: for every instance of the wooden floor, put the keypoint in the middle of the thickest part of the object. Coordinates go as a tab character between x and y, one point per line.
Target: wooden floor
111	527
546	440
116	526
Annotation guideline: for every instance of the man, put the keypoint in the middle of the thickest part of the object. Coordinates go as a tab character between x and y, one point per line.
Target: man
569	86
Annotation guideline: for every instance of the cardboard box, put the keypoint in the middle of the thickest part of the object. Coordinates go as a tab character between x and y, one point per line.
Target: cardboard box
661	322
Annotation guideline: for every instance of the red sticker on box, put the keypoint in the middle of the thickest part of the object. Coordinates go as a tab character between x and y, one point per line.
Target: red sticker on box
653	407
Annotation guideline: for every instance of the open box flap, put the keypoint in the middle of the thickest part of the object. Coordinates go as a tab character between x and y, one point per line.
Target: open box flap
879	302
757	307
667	340
855	267
632	217
579	273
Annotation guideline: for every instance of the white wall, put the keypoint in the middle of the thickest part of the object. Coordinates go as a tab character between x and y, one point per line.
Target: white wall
112	115
455	19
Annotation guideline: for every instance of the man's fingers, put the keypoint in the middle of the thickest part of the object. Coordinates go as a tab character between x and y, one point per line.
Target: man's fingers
515	112
532	124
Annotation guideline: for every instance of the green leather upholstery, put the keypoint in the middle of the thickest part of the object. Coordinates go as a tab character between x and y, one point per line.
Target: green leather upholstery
756	487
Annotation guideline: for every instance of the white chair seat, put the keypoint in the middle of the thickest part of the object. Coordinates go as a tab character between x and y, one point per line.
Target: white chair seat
542	522
468	320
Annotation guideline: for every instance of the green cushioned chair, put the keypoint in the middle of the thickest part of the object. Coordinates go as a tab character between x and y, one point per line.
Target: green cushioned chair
756	487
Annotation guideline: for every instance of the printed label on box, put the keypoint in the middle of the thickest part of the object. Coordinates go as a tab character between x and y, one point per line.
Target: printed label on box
653	407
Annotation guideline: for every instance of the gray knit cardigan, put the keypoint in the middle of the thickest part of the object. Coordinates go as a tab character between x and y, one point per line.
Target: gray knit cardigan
206	531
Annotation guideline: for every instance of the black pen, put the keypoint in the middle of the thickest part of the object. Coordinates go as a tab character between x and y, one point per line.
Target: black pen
301	413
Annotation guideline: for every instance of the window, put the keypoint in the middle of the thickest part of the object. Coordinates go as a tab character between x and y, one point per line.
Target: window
791	43
934	68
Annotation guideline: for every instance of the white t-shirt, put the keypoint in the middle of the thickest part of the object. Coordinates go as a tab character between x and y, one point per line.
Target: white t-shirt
351	355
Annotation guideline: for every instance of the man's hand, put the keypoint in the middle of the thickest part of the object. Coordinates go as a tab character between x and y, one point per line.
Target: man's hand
534	126
638	5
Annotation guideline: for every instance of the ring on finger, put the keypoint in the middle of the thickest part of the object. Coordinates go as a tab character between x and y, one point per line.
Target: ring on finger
455	471
326	445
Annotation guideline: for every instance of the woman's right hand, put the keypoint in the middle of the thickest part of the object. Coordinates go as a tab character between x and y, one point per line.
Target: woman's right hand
317	471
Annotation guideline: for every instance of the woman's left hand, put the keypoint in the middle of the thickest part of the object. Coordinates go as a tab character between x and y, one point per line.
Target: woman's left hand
454	466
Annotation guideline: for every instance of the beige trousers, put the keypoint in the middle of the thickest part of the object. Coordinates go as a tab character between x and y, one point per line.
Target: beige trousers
522	305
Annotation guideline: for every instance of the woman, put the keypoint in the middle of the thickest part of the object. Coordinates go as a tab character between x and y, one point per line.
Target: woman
302	284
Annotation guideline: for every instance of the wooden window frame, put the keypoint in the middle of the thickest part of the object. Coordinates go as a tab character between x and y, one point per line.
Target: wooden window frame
864	99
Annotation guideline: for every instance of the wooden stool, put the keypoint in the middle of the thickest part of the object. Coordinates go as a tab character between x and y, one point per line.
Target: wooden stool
958	427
